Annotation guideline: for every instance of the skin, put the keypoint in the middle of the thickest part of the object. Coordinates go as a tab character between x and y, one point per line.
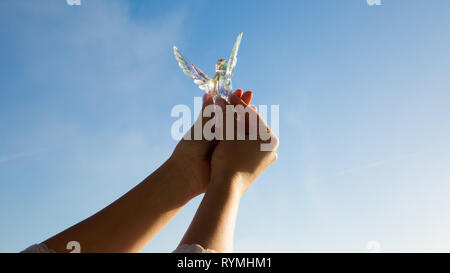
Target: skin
235	164
195	166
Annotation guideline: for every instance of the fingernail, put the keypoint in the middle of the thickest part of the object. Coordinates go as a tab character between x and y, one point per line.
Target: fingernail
206	96
247	97
221	103
238	92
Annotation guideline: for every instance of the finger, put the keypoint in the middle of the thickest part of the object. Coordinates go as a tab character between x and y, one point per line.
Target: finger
274	157
235	100
247	97
221	102
254	108
238	92
207	100
202	118
220	124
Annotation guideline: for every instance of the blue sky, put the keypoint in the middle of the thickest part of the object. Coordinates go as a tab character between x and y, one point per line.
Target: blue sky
86	93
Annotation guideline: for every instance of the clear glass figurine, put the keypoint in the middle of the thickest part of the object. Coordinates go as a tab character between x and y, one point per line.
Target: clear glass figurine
220	84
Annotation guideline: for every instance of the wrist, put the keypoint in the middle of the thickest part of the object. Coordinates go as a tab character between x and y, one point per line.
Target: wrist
228	183
180	181
187	178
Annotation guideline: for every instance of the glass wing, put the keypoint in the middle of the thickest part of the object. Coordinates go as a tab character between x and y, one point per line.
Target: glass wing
233	58
199	77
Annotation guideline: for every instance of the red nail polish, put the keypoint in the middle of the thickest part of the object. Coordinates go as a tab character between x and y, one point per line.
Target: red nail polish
205	97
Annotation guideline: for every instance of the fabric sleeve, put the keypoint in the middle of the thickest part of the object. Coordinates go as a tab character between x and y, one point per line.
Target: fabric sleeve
38	248
194	248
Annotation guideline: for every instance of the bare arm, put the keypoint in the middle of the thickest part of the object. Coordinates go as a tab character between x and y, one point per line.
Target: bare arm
235	164
213	224
130	222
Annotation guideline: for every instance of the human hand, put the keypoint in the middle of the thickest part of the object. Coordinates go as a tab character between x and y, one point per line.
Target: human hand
192	157
238	163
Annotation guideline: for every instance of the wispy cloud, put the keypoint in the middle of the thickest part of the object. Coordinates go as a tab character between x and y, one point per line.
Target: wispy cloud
11	157
370	165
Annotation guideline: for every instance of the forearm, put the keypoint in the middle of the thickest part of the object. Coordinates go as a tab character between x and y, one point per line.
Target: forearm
213	224
130	222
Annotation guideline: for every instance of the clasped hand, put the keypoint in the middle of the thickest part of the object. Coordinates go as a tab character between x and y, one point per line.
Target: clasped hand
234	161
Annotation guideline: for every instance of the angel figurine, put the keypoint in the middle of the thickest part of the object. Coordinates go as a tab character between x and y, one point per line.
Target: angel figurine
220	84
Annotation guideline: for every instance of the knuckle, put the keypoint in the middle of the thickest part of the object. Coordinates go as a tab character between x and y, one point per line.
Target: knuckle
276	141
274	156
